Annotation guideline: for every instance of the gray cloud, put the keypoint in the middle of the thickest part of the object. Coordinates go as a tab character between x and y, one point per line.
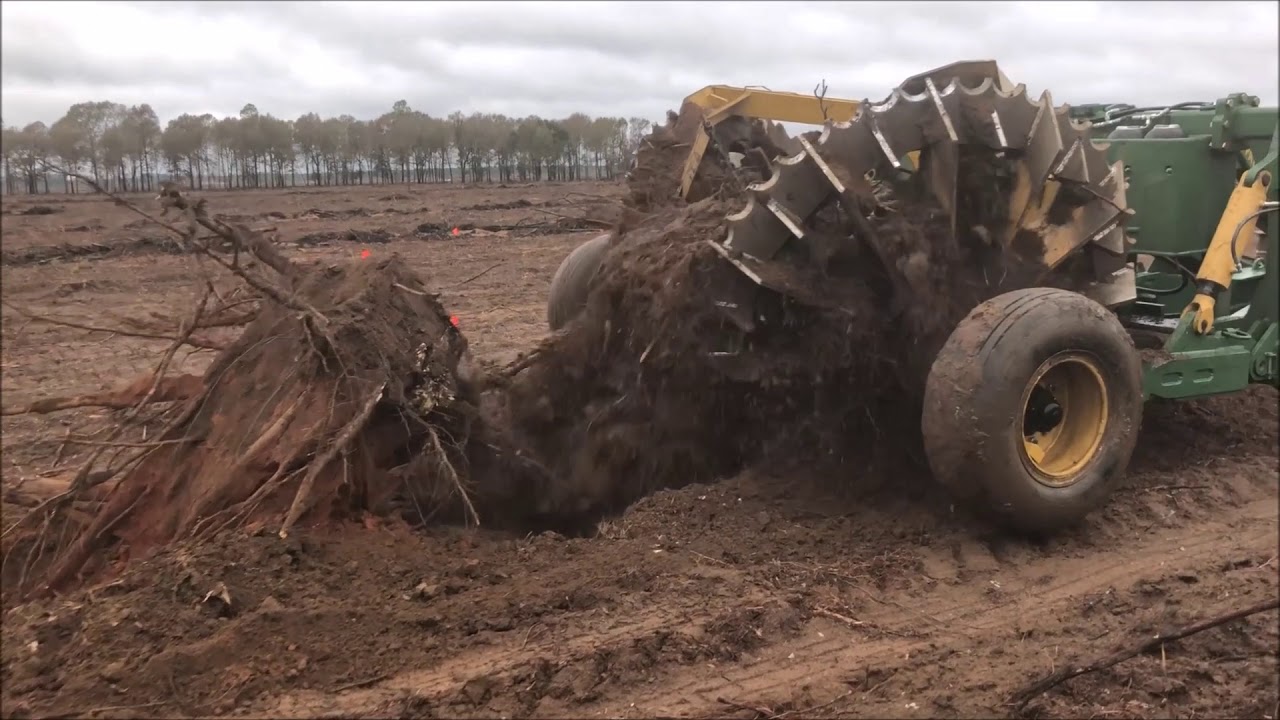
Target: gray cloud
606	58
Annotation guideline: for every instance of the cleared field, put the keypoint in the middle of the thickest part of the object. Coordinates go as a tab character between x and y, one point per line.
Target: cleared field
824	590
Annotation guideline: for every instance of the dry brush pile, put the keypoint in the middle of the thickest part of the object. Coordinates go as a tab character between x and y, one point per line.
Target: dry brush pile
350	392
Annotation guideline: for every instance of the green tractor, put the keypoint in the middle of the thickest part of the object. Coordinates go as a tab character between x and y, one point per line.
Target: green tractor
1152	229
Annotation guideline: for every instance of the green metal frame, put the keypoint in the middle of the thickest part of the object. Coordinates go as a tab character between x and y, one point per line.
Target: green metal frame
1178	188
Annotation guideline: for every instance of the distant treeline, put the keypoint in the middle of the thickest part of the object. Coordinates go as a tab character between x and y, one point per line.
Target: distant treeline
124	149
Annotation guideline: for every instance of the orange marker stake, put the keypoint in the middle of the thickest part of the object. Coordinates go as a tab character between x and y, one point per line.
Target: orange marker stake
455	231
453	320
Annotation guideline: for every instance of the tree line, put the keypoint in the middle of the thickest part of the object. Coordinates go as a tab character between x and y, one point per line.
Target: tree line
124	149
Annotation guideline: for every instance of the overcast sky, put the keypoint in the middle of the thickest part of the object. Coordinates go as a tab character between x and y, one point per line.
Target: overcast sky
608	58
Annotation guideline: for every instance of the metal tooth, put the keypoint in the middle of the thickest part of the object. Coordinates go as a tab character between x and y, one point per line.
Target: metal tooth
1044	143
998	126
973	112
1095	156
987	115
1071	163
751	229
897	124
790	182
757	229
1108	257
1091	165
1089	223
883	142
941	106
826	170
788	219
852	143
1017	114
1042	146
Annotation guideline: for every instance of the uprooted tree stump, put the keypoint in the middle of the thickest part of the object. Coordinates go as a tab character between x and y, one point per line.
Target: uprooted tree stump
356	400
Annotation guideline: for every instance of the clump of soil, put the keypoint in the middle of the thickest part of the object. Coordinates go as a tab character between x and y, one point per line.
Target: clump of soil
655	181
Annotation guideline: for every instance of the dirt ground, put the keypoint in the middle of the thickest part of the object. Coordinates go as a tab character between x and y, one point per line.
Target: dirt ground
821	590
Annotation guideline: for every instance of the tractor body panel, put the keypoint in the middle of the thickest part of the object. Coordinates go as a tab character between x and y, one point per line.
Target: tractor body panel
1183	166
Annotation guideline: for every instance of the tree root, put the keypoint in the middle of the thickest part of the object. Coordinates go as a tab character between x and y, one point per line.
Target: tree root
339	444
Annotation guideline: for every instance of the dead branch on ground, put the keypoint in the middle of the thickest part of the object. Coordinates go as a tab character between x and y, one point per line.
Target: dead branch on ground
169	389
1020	698
571	218
477	276
141	330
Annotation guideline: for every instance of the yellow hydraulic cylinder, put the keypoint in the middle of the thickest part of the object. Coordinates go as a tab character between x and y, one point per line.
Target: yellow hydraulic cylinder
1237	225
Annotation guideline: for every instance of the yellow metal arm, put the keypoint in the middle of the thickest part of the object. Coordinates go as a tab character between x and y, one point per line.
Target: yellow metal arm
1238	222
722	101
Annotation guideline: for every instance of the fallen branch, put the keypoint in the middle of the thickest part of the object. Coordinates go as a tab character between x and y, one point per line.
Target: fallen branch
759	710
571	218
169	389
1026	694
142	331
477	276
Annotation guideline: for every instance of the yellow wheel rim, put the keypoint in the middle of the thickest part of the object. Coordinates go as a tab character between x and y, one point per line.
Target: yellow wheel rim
1064	418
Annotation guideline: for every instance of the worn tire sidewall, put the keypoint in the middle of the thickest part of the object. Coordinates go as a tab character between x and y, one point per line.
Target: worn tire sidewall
571	283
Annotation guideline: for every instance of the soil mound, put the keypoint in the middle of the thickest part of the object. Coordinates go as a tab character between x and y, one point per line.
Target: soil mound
653	385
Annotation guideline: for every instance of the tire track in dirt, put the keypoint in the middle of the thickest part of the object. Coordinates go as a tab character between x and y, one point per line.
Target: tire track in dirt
477	669
1039	590
827	661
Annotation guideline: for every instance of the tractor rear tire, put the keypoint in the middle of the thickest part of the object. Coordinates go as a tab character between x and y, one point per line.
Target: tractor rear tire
1000	376
570	284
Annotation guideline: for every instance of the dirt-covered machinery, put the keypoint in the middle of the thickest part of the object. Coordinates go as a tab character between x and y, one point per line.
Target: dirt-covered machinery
1132	248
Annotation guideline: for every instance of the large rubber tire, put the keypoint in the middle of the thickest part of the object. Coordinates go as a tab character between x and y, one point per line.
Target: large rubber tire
977	391
571	282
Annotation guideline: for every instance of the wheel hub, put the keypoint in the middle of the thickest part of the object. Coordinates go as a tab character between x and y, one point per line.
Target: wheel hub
1064	418
1043	412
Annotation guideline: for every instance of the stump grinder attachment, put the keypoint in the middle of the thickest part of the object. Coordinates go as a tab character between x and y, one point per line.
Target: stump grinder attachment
975	199
1065	201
